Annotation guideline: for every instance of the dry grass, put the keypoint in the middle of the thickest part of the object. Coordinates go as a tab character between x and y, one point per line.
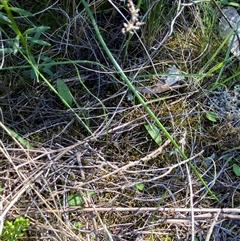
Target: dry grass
173	204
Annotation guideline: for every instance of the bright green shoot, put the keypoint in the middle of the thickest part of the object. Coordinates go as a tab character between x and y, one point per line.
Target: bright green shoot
14	230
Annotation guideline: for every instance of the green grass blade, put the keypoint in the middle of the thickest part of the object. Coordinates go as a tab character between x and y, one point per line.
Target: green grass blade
16	136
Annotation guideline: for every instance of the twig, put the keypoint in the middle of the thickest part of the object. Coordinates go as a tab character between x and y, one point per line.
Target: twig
212	226
14	200
223	212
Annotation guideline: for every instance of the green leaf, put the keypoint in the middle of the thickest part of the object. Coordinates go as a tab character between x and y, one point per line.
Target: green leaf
154	132
39	42
78	225
234	4
77	199
64	92
6	51
4	19
139	186
21	12
39	29
48	63
236	169
37	33
212	116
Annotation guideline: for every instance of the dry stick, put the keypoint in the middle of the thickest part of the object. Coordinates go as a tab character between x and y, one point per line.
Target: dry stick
191	202
183	143
56	213
14	200
206	213
1	209
103	225
212	226
88	199
23	189
155	209
18	195
1	221
108	234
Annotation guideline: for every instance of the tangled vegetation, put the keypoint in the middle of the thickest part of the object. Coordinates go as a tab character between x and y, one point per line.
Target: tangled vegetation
120	120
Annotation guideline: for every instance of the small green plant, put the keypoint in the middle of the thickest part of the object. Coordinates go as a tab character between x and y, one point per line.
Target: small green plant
78	225
77	199
139	186
236	170
13	230
212	116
